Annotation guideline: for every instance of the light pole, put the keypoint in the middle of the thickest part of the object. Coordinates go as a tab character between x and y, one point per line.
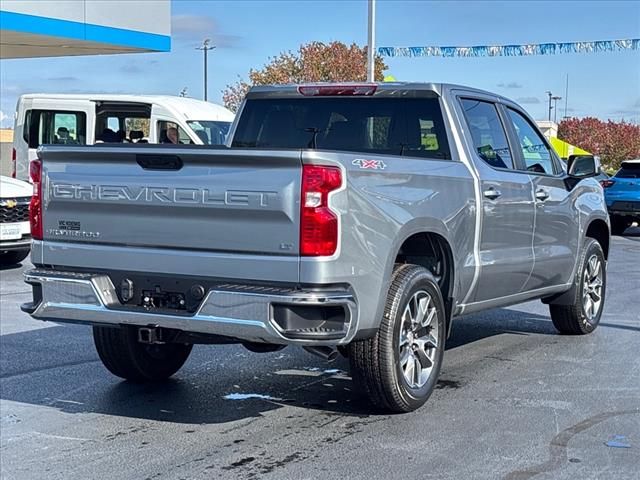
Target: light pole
555	107
205	49
550	107
371	42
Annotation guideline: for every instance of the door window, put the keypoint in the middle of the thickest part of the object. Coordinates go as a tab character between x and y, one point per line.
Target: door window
536	154
171	132
487	133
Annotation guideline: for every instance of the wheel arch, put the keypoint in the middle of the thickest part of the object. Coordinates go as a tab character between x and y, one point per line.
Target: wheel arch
432	251
599	231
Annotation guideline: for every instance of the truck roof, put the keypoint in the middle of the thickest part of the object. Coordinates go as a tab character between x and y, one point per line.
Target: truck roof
438	88
191	108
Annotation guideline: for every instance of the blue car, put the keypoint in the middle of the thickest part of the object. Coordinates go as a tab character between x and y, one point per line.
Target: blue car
622	193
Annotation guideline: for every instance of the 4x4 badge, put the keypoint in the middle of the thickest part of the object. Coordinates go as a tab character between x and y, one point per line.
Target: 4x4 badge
365	164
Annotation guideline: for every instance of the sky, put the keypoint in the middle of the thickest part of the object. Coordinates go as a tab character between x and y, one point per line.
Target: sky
247	33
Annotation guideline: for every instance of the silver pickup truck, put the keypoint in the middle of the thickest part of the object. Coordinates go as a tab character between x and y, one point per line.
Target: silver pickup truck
351	219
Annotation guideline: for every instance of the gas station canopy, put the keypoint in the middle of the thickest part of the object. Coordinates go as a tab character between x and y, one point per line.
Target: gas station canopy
48	28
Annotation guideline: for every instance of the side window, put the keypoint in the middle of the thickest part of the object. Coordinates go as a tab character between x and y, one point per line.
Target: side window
66	128
170	132
54	127
487	133
113	123
537	157
426	132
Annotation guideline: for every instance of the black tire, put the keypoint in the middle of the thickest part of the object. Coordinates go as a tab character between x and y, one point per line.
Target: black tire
574	319
375	362
13	257
619	225
125	357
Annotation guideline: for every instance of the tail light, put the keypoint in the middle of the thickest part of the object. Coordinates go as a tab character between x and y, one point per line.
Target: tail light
607	183
14	156
318	224
35	206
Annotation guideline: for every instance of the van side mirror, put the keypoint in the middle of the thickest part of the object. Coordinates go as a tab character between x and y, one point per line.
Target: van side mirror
583	166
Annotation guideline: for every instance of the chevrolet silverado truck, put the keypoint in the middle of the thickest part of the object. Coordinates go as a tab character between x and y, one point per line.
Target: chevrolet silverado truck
353	219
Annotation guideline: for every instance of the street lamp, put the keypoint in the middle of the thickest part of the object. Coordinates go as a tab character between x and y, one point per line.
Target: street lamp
205	49
555	107
550	107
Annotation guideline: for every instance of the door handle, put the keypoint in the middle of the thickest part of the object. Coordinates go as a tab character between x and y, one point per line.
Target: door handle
491	193
542	195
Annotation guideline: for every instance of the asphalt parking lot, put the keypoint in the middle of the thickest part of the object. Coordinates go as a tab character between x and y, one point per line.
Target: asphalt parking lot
515	401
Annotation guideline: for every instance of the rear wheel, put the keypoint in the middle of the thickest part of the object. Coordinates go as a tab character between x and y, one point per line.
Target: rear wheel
619	224
13	257
124	356
398	368
584	314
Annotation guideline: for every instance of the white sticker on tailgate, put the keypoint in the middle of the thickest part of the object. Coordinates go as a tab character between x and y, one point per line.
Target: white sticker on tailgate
10	231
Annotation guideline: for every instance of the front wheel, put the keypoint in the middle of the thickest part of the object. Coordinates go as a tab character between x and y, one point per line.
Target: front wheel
583	315
124	356
398	368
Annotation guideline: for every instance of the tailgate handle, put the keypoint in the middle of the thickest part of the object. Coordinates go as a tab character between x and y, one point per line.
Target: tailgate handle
159	162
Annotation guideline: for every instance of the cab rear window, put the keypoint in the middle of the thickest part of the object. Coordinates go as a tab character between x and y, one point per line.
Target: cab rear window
411	127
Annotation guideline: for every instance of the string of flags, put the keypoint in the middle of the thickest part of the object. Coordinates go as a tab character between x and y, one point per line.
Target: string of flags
513	50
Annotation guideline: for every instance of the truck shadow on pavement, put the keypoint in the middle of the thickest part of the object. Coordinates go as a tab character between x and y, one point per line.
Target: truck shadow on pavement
57	367
13	266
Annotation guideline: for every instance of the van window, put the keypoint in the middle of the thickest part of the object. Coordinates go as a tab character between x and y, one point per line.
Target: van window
170	132
121	127
382	125
44	127
210	132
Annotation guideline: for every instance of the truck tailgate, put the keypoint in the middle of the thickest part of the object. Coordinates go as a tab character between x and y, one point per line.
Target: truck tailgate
172	199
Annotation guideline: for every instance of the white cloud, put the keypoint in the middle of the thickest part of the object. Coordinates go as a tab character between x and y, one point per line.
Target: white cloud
528	100
510	85
5	120
187	27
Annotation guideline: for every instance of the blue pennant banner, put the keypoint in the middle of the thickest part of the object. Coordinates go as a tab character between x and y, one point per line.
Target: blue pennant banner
512	50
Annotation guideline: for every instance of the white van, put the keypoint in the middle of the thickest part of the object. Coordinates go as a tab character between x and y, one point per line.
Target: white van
86	119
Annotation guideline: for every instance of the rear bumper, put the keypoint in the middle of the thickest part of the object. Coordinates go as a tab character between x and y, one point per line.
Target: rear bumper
10	245
241	312
624	208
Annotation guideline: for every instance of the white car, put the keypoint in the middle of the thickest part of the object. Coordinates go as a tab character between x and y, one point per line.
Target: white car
15	236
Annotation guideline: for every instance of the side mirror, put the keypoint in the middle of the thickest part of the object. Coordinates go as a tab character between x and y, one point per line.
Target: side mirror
583	166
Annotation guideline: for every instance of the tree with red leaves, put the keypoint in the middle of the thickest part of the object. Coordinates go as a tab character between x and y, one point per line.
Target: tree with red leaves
313	62
612	141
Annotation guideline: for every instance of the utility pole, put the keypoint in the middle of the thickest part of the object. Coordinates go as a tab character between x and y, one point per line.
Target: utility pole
371	42
205	49
555	108
550	107
566	97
